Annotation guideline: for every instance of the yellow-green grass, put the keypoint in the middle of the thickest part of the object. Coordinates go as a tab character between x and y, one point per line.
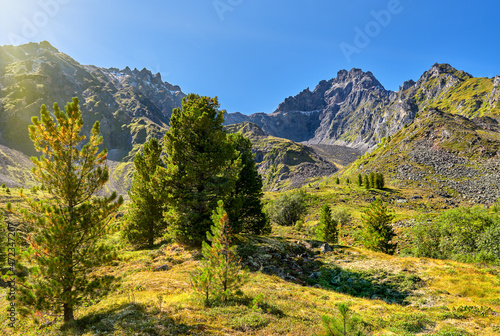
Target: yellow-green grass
285	308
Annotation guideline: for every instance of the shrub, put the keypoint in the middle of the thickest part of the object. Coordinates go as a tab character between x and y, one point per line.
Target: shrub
287	209
463	234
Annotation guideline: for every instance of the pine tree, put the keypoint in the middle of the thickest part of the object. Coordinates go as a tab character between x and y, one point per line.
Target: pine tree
366	182
200	167
379	181
145	221
343	324
65	245
220	272
337	181
327	227
244	206
371	180
378	232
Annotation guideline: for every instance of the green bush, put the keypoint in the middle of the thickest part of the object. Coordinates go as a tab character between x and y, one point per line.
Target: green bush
462	234
288	208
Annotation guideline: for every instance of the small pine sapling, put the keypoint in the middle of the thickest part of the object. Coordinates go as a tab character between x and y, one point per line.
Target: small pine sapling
220	272
342	325
366	182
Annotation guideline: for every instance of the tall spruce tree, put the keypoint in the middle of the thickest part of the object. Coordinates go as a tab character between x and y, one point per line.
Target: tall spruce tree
360	180
244	206
145	221
66	245
201	168
378	232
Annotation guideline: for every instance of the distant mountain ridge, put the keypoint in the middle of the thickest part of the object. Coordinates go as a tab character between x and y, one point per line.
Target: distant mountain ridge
355	110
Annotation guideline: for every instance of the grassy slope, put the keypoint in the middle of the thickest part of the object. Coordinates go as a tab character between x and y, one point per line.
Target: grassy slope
281	161
458	141
288	308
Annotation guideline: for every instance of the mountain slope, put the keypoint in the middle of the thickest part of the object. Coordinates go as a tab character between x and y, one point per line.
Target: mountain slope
451	154
131	105
281	162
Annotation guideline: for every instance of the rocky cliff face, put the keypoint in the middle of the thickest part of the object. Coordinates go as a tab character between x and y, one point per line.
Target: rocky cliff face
130	105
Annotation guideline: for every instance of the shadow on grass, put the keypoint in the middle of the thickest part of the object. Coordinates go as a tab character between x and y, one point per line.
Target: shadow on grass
298	262
370	284
131	319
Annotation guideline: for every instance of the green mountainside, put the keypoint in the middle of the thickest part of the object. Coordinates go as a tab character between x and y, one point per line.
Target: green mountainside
281	162
131	105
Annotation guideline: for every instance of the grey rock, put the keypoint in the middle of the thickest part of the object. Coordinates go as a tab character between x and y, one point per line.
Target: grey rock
326	248
163	268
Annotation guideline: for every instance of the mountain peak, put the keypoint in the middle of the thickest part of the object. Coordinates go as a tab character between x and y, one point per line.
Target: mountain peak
444	68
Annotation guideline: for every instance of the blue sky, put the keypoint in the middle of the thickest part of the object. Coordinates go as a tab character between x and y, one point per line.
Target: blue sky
253	54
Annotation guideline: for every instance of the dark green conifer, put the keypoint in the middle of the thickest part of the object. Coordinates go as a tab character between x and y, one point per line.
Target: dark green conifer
371	180
327	228
366	182
145	221
244	205
378	232
201	167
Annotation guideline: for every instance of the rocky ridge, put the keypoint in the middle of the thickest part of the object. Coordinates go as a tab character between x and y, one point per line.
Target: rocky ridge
283	163
354	109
